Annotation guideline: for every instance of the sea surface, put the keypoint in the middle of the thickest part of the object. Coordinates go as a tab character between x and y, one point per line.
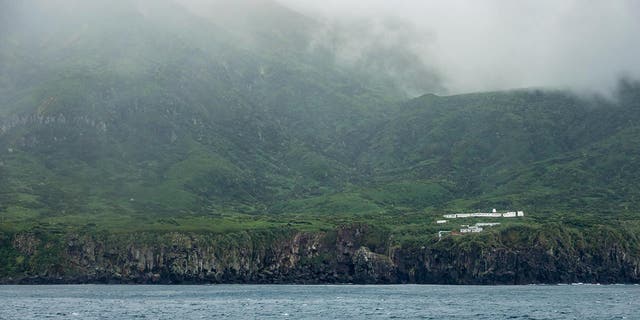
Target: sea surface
320	302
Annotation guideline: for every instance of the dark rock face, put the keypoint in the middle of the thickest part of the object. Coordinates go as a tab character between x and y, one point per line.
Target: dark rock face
352	254
504	266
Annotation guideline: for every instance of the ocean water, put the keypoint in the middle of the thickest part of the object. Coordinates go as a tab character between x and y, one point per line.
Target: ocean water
320	302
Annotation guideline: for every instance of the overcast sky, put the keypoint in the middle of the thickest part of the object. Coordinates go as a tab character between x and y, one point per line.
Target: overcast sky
499	44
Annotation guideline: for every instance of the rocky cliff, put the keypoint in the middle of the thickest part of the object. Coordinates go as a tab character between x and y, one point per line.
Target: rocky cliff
348	254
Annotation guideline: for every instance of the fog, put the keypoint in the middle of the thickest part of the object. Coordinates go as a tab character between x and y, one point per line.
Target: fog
493	44
445	47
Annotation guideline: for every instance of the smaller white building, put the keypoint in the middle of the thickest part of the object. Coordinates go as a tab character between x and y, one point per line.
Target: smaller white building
471	229
487	224
441	221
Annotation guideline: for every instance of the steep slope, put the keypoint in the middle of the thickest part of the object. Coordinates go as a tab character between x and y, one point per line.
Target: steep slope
146	141
542	150
120	109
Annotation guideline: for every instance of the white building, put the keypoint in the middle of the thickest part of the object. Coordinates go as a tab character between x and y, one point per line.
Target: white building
493	214
484	214
487	224
470	229
441	221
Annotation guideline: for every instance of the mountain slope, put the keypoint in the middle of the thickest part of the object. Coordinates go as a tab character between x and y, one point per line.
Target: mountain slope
152	142
189	114
175	115
541	150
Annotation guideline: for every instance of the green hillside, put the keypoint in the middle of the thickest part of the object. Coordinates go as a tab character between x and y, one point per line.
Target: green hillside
179	118
126	119
540	150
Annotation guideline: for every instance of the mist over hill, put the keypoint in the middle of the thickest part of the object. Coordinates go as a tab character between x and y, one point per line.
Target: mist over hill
492	45
273	119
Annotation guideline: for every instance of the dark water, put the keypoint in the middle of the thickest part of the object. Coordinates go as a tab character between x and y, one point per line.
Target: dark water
319	302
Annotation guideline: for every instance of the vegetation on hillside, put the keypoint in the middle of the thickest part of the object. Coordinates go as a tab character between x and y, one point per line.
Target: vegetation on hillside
131	120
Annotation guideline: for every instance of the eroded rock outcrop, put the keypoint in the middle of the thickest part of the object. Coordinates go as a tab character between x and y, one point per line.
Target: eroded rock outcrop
349	254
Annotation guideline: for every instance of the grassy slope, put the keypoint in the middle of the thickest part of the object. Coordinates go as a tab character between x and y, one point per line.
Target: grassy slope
174	117
195	131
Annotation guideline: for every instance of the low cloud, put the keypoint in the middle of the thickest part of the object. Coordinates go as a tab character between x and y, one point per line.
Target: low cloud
486	45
